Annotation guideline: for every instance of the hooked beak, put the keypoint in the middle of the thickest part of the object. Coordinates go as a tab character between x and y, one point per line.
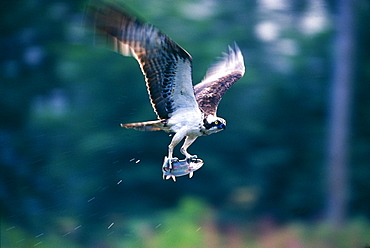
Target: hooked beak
221	126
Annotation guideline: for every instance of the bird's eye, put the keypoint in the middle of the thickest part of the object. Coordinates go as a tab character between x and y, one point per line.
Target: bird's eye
217	122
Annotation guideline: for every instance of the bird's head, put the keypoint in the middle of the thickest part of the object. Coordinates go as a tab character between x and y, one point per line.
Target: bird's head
213	124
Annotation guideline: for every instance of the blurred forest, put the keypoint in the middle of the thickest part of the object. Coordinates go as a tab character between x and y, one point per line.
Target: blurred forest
72	177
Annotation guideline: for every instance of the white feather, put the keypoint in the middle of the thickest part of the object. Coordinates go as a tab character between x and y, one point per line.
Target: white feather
229	63
187	111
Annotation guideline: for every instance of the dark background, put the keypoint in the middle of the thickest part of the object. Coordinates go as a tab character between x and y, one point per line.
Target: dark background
71	177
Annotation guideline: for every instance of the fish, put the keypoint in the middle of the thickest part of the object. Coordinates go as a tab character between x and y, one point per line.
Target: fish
182	168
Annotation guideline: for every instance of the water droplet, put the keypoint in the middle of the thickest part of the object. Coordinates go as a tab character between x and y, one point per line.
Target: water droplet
37	236
110	225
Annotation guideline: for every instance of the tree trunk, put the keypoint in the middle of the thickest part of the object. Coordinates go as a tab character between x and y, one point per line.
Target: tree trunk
339	119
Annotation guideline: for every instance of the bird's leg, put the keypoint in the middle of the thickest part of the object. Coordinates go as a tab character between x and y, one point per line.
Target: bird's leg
182	168
188	141
168	160
167	164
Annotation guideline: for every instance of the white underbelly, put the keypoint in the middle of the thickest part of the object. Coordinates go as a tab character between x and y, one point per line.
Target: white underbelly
188	121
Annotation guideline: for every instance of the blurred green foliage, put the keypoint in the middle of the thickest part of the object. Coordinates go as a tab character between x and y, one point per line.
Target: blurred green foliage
191	224
71	177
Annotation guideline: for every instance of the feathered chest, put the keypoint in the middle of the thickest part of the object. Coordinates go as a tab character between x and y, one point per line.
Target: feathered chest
188	121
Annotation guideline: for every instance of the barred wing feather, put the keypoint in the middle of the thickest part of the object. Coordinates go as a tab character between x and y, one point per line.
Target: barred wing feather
167	67
219	78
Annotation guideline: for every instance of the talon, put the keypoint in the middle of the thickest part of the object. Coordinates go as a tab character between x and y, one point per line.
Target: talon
192	158
191	174
167	163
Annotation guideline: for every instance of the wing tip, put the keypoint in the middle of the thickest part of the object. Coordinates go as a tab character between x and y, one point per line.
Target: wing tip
235	57
230	62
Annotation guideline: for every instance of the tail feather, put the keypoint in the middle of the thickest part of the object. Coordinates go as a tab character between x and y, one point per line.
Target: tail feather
145	126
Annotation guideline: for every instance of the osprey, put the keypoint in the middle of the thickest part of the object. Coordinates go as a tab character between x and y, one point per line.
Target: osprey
186	111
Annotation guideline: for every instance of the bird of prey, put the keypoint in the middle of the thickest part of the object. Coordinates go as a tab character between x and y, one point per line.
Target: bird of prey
185	110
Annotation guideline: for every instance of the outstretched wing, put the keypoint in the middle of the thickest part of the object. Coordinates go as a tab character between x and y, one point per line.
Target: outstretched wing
166	66
219	78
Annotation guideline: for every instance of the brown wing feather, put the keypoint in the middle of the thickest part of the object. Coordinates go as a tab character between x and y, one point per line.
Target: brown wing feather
156	53
218	80
209	96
